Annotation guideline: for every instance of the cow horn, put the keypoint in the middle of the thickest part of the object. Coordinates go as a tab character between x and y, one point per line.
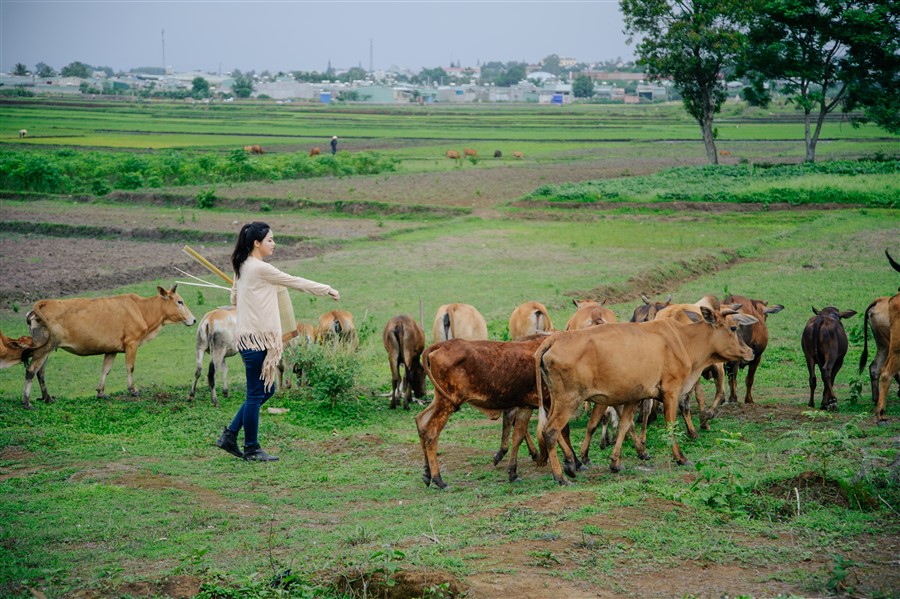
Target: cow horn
645	299
668	299
816	312
892	261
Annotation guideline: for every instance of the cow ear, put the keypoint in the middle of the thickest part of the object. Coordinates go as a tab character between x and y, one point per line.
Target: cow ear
735	307
745	319
576	302
174	287
162	292
708	315
848	313
692	316
774	309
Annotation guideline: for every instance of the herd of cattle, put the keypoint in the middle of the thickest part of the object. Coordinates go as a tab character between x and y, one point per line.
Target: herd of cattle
472	153
657	358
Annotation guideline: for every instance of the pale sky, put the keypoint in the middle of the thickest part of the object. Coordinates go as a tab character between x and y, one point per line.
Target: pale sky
288	35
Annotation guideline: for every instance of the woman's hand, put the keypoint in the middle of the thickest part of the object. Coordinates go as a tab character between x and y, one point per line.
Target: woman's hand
334	294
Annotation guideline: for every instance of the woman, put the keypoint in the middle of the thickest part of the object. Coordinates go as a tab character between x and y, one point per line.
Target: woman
255	294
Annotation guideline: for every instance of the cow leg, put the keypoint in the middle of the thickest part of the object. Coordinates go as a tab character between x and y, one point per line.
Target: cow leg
556	421
670	407
36	367
718	376
508	419
884	385
107	366
130	355
700	394
626	421
833	369
598	416
751	374
211	383
430	422
732	369
811	367
686	414
523	415
197	373
407	386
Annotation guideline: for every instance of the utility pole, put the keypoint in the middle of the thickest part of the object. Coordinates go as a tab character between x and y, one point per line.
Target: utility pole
164	50
371	56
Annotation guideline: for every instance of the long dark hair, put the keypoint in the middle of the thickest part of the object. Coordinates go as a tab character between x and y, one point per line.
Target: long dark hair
249	233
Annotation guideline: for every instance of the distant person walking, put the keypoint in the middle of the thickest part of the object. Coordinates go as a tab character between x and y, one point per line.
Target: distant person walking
334	145
255	295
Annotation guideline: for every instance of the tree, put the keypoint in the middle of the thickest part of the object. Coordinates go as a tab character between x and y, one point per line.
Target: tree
76	69
20	70
550	64
199	87
690	41
583	87
354	74
804	43
44	70
243	84
436	75
514	73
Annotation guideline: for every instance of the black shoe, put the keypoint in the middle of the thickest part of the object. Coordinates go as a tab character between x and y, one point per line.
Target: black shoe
259	455
228	442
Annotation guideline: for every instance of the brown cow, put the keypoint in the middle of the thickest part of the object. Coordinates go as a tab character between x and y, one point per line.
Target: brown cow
892	364
453	154
519	155
458	321
216	335
877	318
648	311
589	313
404	341
315	151
756	336
622	364
469	152
498	154
15	351
529	318
824	343
337	326
254	149
103	325
492	376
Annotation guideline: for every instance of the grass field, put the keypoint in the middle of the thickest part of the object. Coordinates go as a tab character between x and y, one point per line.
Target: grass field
129	497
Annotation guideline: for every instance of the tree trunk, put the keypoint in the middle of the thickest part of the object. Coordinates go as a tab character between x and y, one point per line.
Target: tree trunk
706	126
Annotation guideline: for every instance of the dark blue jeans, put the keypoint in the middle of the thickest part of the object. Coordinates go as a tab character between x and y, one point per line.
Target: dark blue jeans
247	416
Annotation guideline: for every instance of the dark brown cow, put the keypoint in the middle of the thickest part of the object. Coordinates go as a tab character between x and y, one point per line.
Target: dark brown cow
529	318
458	321
622	364
589	313
216	335
498	154
404	341
824	343
254	149
648	311
336	326
892	364
756	337
315	151
492	376
103	325
469	152
453	154
877	318
15	351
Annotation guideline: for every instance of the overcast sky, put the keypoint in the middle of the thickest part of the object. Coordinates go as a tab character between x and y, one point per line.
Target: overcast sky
288	35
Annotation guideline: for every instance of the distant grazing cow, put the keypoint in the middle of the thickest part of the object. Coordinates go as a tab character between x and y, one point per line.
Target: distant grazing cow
15	351
315	151
528	319
824	343
469	152
458	321
23	132
215	336
404	341
103	325
755	336
877	318
518	155
491	376
453	154
724	153
254	149
648	311
337	326
589	313
892	364
498	154
622	364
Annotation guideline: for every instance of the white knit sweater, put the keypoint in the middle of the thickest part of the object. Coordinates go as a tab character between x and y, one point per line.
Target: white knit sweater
255	293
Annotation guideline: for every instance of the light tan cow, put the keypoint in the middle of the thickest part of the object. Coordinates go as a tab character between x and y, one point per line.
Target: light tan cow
453	154
892	363
528	319
589	313
622	364
877	318
458	321
216	335
254	149
15	351
103	325
336	326
469	152
518	155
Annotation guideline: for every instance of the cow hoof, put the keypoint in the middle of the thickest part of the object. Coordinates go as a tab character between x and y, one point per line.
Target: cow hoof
225	392
562	482
498	456
582	467
586	463
393	406
569	469
439	482
534	457
881	422
28	406
49	399
693	435
514	478
615	468
134	393
644	456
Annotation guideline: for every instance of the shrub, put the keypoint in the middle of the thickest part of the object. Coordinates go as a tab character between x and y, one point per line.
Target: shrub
206	198
329	371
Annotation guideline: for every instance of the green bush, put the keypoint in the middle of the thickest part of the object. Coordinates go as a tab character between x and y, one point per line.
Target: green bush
206	198
328	373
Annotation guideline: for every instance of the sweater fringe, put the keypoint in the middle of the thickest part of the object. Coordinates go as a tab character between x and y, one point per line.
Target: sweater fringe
270	341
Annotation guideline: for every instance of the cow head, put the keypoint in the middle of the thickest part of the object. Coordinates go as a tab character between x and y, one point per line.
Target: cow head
648	311
177	310
725	343
831	311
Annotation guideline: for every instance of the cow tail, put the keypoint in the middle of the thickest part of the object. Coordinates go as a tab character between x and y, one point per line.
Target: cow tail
36	315
400	358
426	365
447	331
538	316
865	352
540	375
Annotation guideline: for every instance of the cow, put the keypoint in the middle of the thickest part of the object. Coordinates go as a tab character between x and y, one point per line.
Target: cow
315	151
498	154
589	313
470	153
529	318
892	363
404	341
876	317
756	337
336	326
103	325
23	133
216	335
254	149
518	155
15	351
622	364
458	321
491	376
648	310
824	343
453	154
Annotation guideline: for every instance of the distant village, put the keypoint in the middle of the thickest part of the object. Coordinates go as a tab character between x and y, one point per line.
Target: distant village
555	80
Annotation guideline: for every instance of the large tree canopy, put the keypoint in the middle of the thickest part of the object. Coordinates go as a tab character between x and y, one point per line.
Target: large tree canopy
692	42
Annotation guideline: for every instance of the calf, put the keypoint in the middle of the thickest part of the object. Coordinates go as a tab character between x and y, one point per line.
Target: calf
589	313
755	336
15	351
337	326
404	341
877	318
492	376
103	325
647	312
216	336
824	343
